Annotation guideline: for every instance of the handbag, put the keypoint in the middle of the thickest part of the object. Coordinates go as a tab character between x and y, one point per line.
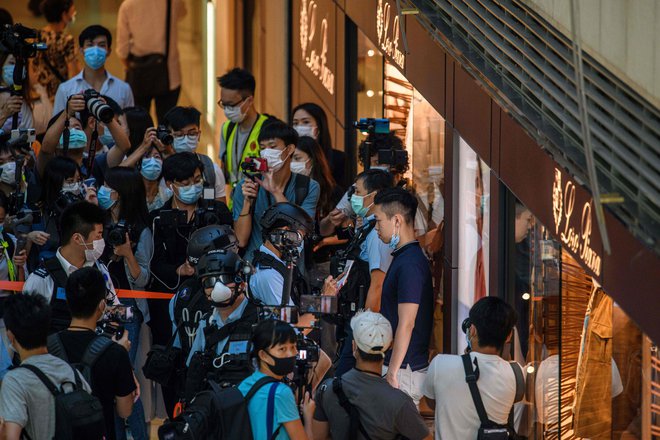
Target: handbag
148	75
164	362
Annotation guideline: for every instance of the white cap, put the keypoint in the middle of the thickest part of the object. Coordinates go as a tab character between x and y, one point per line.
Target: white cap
372	332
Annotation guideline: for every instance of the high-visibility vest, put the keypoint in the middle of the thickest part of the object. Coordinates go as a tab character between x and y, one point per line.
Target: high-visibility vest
251	147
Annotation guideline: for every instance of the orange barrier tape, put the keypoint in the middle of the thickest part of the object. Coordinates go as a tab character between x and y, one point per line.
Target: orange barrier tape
121	293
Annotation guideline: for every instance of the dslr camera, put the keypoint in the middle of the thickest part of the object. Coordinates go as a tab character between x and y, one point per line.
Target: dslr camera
164	135
96	107
117	233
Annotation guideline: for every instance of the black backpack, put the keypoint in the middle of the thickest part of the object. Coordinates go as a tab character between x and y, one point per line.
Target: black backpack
219	413
78	414
92	353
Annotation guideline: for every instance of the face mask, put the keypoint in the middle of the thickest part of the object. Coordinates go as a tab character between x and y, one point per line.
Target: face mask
93	254
222	296
151	168
183	144
234	113
300	168
8	74
357	203
273	157
190	194
468	340
74	188
95	57
8	173
77	139
282	366
103	194
107	139
306	130
394	241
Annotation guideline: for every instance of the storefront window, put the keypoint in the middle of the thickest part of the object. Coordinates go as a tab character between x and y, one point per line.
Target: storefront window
473	236
370	81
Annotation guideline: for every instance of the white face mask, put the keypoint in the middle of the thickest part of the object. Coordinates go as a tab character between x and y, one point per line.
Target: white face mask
234	113
71	188
220	293
273	157
306	130
8	174
93	254
300	168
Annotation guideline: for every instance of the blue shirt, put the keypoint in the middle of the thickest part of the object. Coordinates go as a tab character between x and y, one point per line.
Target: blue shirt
285	407
265	200
375	252
267	284
200	340
112	87
409	281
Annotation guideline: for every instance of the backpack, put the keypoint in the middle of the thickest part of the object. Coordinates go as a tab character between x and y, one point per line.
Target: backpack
92	353
61	316
208	172
220	413
78	414
489	430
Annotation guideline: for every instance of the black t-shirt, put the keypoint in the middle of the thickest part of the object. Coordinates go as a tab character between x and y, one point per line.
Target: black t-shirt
112	374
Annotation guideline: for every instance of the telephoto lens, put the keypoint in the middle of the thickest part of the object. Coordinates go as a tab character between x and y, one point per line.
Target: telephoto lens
99	109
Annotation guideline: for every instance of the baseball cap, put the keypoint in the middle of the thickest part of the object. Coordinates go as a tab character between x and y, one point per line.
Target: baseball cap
372	332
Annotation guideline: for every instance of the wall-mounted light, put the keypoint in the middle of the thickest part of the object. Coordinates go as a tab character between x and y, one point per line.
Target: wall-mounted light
371	52
526	296
370	93
530	369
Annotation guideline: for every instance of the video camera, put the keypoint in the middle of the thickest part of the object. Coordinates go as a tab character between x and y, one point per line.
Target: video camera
372	125
113	321
14	40
97	107
110	330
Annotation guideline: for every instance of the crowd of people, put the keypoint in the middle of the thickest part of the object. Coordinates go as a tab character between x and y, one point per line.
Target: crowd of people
307	291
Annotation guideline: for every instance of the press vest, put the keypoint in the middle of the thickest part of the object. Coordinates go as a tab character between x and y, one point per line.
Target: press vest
251	147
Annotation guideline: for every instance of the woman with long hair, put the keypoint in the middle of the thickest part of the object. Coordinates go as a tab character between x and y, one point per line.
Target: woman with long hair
309	119
128	252
274	353
11	104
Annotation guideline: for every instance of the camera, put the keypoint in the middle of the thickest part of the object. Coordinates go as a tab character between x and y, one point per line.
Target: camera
13	40
254	165
308	350
117	233
62	202
373	125
164	135
110	329
119	313
395	158
28	134
96	107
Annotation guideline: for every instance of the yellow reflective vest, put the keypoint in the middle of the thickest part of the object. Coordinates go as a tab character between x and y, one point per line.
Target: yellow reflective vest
251	147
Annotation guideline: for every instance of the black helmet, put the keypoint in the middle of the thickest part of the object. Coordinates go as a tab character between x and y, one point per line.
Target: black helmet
222	263
208	238
287	214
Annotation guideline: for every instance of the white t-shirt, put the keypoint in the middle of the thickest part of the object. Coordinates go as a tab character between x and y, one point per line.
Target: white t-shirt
455	413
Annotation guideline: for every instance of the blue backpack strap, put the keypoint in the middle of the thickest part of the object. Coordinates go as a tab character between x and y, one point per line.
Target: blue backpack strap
270	411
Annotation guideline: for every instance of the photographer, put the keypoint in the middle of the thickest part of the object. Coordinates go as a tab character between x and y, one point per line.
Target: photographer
82	244
221	273
488	327
111	378
127	256
11	104
8	170
274	349
407	295
95	45
382	411
253	196
371	260
185	125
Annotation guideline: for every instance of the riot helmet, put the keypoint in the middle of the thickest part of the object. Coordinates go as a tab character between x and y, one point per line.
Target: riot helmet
225	273
285	225
209	238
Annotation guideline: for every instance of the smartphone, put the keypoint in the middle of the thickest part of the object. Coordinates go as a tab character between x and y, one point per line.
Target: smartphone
343	277
90	182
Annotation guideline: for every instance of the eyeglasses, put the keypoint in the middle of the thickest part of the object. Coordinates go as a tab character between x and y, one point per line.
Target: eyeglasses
193	135
223	105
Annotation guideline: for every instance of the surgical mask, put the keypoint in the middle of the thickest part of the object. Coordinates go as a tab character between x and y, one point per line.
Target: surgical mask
95	57
77	139
103	194
222	296
300	168
190	194
306	130
8	74
273	157
282	366
8	173
184	144
93	254
357	203
234	113
107	139
151	168
74	188
394	241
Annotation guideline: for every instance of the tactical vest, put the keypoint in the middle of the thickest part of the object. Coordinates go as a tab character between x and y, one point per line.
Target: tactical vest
190	307
299	285
251	147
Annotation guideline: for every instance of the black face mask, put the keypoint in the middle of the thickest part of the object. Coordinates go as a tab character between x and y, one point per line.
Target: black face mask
282	366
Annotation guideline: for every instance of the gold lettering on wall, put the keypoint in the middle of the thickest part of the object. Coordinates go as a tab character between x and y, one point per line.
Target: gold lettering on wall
388	39
317	58
577	238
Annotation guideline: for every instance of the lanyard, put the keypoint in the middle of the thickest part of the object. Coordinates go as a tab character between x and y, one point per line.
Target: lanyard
10	264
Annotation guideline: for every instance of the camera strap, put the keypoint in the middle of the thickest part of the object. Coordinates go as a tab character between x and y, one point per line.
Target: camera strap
351	410
92	148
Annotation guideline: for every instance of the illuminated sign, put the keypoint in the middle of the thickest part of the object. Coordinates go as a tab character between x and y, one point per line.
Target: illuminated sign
316	60
574	232
388	38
